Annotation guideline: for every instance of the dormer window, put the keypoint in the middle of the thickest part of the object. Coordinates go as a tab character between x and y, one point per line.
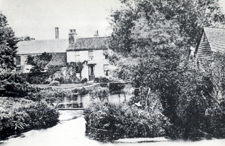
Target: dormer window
105	53
90	55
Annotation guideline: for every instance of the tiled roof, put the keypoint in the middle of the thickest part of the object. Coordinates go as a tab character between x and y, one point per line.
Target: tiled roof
94	43
57	59
216	38
41	46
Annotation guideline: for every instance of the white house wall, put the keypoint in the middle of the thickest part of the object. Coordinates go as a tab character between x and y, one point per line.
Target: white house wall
98	59
83	56
99	71
98	55
23	59
84	72
70	56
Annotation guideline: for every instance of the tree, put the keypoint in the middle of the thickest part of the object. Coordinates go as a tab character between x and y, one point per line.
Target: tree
39	62
7	45
155	37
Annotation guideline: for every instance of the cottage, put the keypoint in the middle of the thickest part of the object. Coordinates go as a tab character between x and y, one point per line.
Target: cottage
92	52
212	40
55	47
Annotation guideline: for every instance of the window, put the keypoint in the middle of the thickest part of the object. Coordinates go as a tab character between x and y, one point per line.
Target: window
18	60
105	53
90	55
77	56
106	69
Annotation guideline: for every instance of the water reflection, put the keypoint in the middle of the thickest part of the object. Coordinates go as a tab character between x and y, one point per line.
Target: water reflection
79	101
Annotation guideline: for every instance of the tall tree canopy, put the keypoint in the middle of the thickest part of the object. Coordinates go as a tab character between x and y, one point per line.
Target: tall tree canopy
152	39
7	45
160	21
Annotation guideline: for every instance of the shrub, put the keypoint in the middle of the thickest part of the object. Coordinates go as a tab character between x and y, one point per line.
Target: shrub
103	80
96	80
103	84
37	78
20	115
107	122
116	87
15	85
99	93
84	80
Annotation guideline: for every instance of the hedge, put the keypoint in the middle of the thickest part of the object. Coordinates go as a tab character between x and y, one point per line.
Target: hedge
21	115
108	122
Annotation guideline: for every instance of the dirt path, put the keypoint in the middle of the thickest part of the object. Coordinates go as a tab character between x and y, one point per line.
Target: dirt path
71	132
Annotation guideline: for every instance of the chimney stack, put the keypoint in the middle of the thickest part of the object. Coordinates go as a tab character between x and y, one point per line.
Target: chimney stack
96	34
72	36
56	33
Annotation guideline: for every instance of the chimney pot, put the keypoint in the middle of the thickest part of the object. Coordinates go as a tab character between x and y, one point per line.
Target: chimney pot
56	33
96	34
72	36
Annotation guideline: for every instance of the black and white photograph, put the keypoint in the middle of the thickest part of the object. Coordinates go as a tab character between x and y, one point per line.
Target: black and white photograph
112	72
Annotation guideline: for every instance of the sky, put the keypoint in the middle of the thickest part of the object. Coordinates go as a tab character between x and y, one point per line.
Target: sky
38	18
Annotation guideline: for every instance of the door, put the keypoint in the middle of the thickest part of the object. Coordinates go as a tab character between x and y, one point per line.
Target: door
91	72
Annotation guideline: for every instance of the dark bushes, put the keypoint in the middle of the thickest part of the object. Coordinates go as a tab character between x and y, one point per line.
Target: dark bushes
107	122
84	80
15	85
101	80
20	115
116	87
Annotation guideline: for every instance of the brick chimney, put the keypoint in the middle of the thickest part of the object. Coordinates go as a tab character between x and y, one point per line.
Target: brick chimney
72	36
96	34
56	33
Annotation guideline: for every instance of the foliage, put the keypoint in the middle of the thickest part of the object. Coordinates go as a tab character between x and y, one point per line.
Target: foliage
37	76
20	115
153	40
217	69
99	93
7	46
116	87
39	62
15	85
84	80
107	122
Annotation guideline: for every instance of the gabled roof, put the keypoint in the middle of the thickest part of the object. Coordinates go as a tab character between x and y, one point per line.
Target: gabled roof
216	38
57	59
92	43
41	46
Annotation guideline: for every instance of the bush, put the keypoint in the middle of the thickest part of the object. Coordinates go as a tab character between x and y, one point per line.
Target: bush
20	115
37	78
107	122
104	80
101	80
54	83
103	84
15	85
84	80
99	93
96	80
116	87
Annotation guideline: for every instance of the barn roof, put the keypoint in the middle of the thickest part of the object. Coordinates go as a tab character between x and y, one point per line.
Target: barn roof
61	45
41	46
216	38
